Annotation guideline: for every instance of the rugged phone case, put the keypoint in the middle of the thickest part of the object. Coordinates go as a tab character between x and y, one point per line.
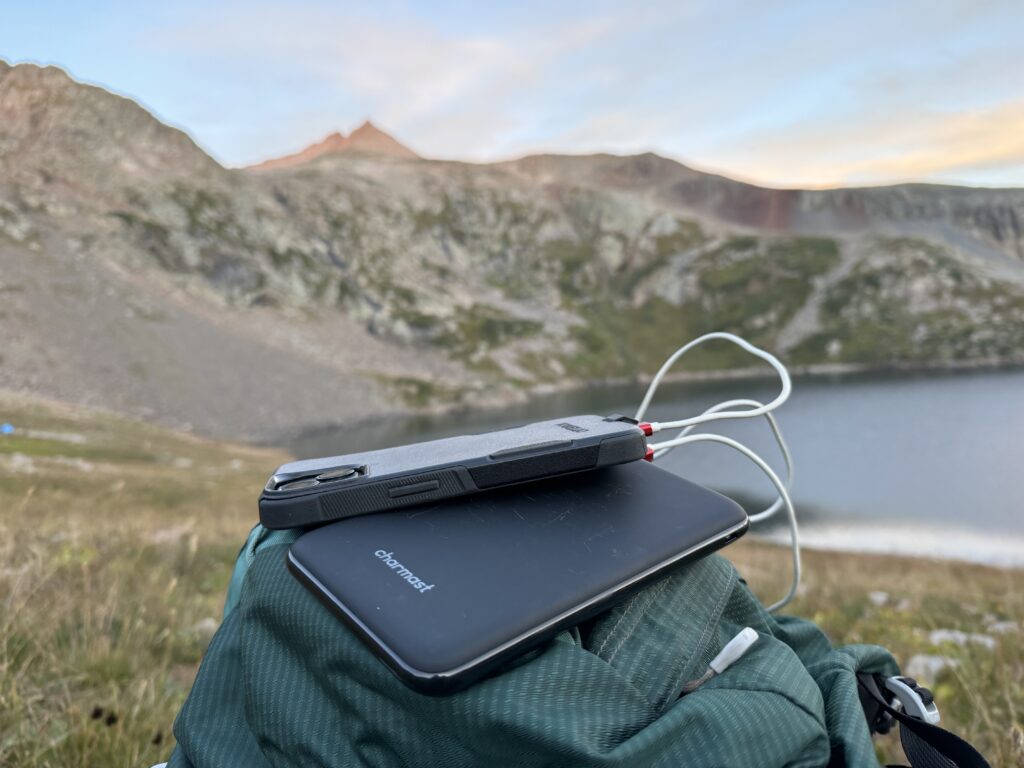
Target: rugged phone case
321	490
446	593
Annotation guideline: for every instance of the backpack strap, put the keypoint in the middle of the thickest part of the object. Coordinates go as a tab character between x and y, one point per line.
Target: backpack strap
925	744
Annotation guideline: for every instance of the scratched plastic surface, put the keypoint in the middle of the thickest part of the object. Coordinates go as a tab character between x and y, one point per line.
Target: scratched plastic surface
506	562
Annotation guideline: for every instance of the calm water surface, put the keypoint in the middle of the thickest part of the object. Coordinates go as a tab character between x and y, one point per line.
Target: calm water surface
925	463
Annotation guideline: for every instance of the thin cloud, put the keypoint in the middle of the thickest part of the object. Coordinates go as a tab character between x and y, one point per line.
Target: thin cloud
440	89
903	146
785	94
955	144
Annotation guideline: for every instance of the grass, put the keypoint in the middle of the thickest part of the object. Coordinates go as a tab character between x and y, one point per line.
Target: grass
418	392
116	545
687	236
480	328
756	294
869	318
982	699
747	286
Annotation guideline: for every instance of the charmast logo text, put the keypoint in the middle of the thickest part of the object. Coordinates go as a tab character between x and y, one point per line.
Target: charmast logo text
415	582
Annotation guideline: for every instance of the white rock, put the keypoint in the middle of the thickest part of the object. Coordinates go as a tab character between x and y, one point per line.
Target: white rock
62	437
958	637
925	667
77	463
18	462
170	534
1003	627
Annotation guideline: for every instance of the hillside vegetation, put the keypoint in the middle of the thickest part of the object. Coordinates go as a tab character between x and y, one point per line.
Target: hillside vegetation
358	262
116	545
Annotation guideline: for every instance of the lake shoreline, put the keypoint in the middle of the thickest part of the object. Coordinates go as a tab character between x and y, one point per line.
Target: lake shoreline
811	370
500	402
992	552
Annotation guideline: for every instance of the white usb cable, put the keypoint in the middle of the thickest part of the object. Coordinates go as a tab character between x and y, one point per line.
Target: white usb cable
721	411
776	432
769	358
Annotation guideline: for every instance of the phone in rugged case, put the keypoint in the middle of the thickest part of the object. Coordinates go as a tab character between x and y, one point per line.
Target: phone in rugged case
321	490
446	593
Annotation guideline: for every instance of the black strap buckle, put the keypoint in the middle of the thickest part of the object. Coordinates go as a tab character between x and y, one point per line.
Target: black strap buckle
925	744
915	700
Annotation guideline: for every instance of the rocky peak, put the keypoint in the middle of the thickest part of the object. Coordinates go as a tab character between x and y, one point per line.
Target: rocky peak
367	138
367	129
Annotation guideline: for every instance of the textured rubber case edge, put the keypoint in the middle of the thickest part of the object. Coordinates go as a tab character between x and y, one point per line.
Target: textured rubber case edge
374	496
454	680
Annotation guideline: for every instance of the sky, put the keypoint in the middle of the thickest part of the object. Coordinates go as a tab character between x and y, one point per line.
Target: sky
786	94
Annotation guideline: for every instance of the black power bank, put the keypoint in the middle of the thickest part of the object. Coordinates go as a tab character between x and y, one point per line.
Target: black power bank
444	594
317	491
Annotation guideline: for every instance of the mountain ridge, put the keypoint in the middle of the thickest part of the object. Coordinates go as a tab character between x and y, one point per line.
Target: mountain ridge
368	131
415	282
43	105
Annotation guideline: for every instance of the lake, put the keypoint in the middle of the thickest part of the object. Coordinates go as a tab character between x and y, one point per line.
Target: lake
927	463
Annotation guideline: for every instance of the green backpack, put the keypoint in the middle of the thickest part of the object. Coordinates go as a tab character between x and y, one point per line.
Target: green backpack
284	683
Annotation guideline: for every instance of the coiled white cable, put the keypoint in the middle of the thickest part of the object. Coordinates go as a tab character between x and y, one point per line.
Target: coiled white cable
769	358
661	450
720	411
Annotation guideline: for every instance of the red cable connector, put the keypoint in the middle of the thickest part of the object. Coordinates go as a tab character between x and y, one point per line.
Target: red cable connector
648	430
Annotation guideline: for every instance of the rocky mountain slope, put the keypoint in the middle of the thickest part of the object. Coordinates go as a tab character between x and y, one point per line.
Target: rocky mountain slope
140	274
